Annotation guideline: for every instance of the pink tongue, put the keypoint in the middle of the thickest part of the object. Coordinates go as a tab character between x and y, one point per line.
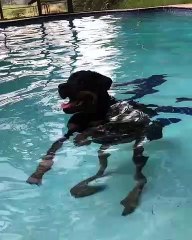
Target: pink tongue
66	105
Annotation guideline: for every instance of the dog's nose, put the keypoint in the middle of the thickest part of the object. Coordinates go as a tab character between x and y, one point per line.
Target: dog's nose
63	90
62	86
59	86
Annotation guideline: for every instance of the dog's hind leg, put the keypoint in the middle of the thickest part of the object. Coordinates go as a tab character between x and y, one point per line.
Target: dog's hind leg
131	202
82	189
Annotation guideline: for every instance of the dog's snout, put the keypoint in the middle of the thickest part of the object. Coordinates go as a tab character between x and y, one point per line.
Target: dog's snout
62	91
60	86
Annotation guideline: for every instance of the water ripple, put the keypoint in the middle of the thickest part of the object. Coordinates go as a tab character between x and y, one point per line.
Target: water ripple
33	60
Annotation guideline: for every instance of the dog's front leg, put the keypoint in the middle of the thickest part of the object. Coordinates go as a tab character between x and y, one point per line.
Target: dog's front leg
82	189
81	139
131	202
47	161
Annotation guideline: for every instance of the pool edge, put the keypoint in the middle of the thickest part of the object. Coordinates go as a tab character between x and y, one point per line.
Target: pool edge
62	16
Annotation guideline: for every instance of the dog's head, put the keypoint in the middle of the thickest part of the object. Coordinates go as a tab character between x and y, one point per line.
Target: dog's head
86	91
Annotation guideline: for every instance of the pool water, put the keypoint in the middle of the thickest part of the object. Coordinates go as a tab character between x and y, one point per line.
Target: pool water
33	60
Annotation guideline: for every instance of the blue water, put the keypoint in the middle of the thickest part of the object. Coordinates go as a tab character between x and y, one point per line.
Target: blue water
33	60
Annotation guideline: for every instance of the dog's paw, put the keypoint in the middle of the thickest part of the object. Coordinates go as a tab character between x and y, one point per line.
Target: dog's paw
128	210
84	190
34	181
129	206
131	202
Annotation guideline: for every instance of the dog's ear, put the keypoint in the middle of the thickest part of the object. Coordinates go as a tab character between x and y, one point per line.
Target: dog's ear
103	82
89	80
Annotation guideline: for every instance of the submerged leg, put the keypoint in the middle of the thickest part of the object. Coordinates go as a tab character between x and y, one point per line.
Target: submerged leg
131	202
47	161
82	189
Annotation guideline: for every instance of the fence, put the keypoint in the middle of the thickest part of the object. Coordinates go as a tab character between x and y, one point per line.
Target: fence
11	10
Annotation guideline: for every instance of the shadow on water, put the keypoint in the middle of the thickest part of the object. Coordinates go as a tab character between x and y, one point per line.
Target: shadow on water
146	86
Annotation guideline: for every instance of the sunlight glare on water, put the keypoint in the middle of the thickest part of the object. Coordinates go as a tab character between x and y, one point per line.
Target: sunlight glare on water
34	59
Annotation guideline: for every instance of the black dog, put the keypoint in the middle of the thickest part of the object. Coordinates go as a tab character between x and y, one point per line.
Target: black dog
100	118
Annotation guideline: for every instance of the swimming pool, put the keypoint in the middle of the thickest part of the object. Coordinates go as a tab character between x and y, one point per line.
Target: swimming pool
33	60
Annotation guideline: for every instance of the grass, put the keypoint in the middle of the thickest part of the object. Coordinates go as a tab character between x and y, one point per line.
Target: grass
148	3
18	11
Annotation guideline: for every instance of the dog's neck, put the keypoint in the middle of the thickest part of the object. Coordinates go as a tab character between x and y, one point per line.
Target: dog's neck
103	106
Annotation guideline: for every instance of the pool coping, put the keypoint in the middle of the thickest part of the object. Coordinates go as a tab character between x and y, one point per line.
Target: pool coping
63	16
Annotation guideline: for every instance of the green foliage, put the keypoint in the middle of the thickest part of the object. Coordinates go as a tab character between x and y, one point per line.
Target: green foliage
88	5
95	5
147	3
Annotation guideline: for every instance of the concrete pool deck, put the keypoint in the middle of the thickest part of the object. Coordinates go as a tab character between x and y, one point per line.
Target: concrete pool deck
186	5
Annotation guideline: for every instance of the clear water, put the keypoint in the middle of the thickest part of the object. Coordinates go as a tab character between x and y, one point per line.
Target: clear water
33	60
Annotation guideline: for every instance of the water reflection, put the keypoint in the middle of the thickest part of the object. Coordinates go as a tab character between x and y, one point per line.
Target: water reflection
33	60
50	52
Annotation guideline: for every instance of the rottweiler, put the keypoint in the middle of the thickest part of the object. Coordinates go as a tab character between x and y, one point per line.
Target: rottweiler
100	118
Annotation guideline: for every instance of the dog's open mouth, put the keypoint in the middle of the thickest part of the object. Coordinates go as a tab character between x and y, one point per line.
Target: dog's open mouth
72	106
78	100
